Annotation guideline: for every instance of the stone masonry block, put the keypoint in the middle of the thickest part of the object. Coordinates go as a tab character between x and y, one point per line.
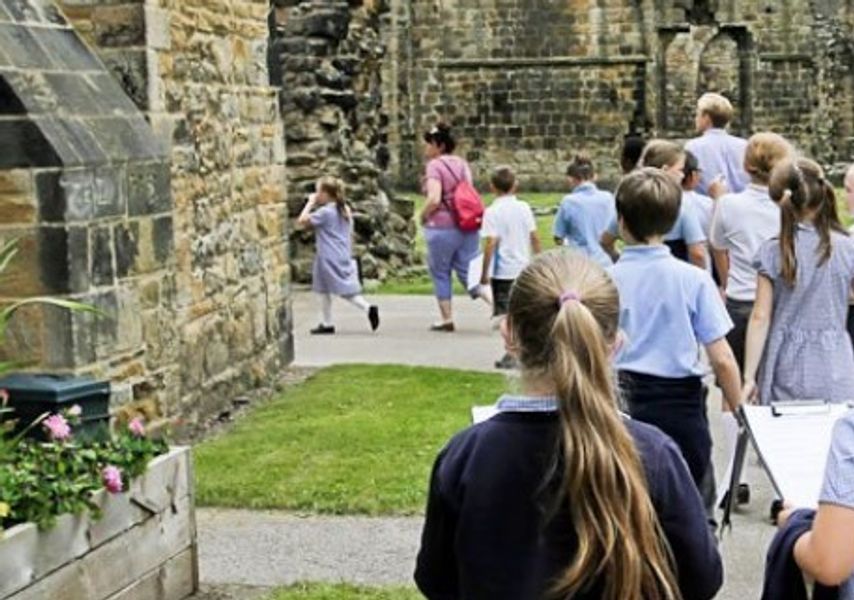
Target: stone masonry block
149	188
101	243
119	25
24	145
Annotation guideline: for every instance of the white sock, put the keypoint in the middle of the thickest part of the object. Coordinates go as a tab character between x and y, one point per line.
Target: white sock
326	309
730	426
358	301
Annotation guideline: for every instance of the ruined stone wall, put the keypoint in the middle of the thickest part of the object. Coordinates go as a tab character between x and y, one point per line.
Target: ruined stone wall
193	263
329	55
530	82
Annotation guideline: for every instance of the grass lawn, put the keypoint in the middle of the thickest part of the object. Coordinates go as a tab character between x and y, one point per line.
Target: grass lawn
351	439
422	285
315	591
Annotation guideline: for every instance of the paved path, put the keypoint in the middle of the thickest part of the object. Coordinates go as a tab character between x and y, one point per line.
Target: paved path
403	336
265	548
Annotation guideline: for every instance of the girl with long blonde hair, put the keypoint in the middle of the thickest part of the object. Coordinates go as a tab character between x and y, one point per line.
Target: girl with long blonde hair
559	495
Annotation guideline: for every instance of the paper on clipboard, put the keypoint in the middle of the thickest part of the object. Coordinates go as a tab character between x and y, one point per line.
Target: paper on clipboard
793	448
475	271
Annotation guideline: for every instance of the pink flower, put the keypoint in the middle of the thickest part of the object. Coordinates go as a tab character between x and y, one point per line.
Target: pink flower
57	428
112	478
75	411
4	397
136	427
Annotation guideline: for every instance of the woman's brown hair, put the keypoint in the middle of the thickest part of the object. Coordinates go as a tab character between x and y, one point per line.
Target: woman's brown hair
801	190
563	314
661	154
334	188
764	150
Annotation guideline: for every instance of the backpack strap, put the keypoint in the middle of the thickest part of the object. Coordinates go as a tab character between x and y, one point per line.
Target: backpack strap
456	179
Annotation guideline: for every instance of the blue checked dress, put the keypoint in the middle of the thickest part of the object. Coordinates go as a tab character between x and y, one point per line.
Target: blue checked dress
808	354
838	487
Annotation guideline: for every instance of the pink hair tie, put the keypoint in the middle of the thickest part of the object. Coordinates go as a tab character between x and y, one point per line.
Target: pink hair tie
568	296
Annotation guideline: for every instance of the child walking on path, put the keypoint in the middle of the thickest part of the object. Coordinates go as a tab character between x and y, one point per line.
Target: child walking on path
667	309
334	272
741	224
685	239
559	495
798	324
584	213
510	233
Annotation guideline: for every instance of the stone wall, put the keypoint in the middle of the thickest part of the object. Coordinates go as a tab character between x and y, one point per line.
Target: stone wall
329	55
85	193
532	82
183	237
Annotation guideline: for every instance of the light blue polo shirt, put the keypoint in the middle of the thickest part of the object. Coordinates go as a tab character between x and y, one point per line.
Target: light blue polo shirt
667	308
719	153
687	226
582	217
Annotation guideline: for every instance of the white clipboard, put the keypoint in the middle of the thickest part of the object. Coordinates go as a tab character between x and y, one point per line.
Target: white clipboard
792	440
475	272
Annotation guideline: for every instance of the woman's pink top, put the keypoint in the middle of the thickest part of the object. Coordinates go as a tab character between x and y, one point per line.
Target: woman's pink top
447	170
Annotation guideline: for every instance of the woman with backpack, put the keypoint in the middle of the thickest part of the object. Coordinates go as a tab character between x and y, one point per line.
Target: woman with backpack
450	246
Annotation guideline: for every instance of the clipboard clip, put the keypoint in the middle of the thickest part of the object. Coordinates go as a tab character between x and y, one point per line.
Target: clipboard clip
800	407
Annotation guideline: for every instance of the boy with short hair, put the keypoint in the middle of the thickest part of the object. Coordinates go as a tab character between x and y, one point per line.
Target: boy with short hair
510	233
721	155
667	309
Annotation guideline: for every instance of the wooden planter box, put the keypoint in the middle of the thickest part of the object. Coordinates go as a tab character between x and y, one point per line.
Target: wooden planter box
144	546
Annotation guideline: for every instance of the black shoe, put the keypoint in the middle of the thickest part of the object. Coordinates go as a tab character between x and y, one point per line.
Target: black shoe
743	494
323	330
776	509
506	362
374	316
447	326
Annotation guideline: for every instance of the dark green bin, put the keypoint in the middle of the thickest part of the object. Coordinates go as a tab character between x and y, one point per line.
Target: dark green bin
33	394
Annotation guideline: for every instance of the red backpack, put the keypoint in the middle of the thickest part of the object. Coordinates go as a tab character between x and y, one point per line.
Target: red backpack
466	204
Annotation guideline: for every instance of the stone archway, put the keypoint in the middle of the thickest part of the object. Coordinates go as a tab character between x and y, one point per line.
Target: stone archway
721	71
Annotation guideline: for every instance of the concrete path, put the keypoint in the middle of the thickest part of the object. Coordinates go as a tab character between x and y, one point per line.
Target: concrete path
403	336
265	549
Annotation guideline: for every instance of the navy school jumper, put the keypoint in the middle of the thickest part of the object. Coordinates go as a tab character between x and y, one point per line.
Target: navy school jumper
487	535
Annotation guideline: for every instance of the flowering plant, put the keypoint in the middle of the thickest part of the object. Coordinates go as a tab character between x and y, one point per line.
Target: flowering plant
42	480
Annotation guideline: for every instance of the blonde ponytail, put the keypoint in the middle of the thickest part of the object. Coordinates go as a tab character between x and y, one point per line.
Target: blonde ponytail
564	312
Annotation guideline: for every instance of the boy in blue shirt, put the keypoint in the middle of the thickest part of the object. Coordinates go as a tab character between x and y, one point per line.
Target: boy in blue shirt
667	309
585	212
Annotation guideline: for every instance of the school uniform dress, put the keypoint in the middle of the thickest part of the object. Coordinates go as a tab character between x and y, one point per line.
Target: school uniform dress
742	223
686	231
808	354
491	533
667	309
838	486
334	271
582	217
719	153
510	221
